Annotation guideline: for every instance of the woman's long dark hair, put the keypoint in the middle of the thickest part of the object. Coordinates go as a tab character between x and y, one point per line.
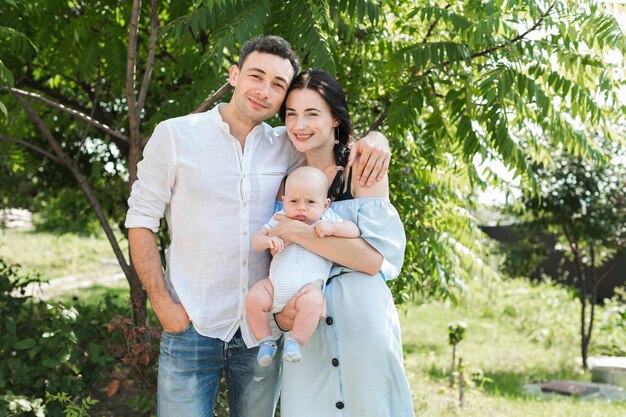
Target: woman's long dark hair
332	93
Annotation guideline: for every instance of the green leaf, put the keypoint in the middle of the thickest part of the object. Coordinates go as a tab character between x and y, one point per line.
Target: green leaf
6	75
25	344
3	109
50	362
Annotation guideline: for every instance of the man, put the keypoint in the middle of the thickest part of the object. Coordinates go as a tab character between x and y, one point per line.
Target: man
215	176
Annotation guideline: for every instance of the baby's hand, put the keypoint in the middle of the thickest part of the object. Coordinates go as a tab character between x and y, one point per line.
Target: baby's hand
324	229
275	243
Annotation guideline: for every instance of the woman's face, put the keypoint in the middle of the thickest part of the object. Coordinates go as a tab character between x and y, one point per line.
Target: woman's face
309	121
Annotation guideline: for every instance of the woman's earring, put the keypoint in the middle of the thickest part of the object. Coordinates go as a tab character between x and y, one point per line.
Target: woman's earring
336	137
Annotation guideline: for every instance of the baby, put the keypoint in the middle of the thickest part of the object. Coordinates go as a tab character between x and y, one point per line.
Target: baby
294	268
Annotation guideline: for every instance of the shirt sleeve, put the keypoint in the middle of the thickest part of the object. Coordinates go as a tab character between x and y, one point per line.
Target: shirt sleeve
381	227
152	191
297	158
330	216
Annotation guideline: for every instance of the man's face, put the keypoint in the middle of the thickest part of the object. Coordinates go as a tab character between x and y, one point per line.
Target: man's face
260	85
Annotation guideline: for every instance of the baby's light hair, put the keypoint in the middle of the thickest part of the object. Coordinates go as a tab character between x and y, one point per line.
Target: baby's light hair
310	176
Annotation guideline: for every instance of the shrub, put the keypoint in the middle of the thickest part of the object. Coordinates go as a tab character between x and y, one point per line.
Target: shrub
610	333
46	347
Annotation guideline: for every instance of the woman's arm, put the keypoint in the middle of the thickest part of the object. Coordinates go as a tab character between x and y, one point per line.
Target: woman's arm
356	254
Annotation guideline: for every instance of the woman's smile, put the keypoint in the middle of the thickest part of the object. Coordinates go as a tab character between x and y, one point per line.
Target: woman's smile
302	136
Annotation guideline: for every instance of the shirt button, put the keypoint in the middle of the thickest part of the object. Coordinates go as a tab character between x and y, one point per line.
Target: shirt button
335	362
245	233
339	405
329	320
245	262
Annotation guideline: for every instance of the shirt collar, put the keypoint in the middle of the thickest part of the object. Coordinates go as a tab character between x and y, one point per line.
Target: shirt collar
215	115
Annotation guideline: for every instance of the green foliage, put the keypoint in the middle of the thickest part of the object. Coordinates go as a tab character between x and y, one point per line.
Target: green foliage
584	202
67	212
136	349
522	257
544	311
46	347
610	338
71	408
455	86
19	405
456	332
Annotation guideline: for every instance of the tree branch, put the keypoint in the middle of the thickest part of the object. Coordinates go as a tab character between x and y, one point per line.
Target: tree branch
145	82
493	48
66	161
131	63
30	146
384	115
608	268
378	122
134	152
518	37
210	102
29	81
75	113
86	129
432	26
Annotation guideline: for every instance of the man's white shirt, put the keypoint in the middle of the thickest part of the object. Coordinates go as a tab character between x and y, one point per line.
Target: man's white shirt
214	195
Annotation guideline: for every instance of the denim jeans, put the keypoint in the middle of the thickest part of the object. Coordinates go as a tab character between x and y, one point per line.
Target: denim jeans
190	368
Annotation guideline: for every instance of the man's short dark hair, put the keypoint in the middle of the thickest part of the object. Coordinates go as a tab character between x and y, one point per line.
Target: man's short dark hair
270	44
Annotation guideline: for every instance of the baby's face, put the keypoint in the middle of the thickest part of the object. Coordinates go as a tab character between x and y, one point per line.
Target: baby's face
304	202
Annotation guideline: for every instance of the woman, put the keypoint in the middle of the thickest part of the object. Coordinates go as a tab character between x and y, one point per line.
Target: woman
352	366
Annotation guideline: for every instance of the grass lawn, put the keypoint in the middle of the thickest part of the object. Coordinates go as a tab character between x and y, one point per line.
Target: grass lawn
495	347
54	256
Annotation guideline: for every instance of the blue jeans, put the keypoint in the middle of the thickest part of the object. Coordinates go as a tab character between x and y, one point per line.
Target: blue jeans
190	368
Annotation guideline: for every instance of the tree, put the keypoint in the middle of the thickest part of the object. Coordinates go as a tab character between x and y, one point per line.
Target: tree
452	84
583	203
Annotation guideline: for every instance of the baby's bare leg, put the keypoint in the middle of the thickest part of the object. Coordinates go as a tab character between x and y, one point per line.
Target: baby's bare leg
310	306
258	303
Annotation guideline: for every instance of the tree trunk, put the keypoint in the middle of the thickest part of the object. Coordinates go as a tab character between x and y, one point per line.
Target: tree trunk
582	281
452	366
137	292
138	295
461	384
138	298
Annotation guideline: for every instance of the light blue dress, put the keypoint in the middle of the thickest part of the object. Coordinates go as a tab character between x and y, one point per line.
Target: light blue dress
352	366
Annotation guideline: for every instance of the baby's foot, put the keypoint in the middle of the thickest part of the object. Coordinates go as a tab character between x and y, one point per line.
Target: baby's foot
291	350
267	350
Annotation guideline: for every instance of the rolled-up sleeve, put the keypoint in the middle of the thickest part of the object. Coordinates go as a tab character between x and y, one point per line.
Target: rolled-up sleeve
152	191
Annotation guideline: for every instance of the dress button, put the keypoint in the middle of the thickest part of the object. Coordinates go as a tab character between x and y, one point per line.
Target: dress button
339	405
329	320
335	362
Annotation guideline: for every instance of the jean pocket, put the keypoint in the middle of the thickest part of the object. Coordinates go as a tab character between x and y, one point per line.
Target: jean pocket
179	333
